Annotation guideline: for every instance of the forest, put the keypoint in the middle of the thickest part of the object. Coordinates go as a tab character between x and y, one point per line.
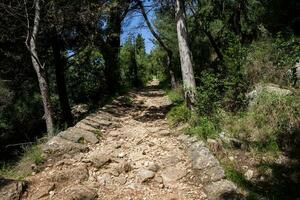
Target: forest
231	69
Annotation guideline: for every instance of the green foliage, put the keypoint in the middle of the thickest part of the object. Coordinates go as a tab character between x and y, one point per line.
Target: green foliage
204	128
176	96
22	168
208	94
179	114
270	120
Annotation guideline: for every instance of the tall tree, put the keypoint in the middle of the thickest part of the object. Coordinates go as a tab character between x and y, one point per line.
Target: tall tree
188	78
31	43
60	63
161	43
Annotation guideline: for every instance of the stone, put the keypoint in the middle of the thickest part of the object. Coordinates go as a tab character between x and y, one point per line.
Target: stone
43	190
74	173
201	157
152	167
58	146
211	174
270	88
121	180
78	192
76	135
98	158
249	174
216	190
11	189
104	179
145	175
86	127
172	174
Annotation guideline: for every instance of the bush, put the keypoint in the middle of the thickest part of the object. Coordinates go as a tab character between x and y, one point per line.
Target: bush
176	96
179	114
203	128
268	120
208	94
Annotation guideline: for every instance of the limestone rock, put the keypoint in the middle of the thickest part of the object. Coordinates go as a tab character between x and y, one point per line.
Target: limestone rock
145	175
99	158
78	192
59	146
172	174
217	190
271	88
11	189
75	135
78	173
201	157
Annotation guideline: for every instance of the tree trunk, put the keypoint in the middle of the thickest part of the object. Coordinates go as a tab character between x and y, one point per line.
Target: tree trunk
185	55
60	66
39	68
113	43
162	44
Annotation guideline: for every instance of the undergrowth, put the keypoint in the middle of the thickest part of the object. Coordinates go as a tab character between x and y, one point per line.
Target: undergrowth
22	167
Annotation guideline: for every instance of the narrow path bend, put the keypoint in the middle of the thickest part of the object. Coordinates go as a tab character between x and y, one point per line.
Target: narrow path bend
126	151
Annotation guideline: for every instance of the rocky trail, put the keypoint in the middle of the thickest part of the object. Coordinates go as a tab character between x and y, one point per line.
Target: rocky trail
126	150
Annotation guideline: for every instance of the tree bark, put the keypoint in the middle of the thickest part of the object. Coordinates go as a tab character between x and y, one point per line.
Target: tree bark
169	52
39	68
110	50
188	78
60	63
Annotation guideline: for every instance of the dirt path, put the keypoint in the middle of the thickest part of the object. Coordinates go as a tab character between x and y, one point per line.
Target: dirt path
127	151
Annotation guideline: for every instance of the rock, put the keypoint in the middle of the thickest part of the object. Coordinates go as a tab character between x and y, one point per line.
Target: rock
78	173
152	167
271	88
76	135
201	157
78	192
121	180
11	189
232	142
98	158
172	174
43	190
145	175
171	160
86	127
217	190
121	155
249	174
210	174
104	179
59	146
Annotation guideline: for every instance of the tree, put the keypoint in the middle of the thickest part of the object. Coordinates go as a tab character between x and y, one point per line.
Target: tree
188	78
161	43
39	68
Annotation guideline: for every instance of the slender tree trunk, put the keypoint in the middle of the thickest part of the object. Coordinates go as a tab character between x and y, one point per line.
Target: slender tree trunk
162	44
60	66
39	68
185	55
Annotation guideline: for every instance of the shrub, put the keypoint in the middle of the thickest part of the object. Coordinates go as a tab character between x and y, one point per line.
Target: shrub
269	121
179	114
204	128
176	96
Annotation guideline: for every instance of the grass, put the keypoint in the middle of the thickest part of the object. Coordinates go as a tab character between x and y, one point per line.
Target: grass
23	167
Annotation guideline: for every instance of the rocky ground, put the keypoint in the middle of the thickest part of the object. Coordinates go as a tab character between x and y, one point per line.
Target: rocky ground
126	150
